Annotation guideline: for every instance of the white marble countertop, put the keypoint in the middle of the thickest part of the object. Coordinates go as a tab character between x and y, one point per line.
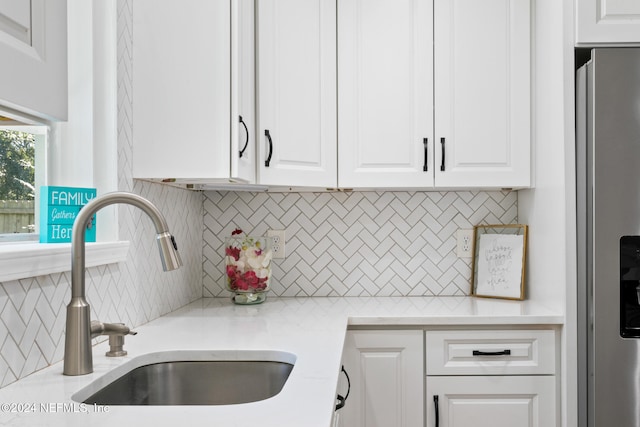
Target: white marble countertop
312	329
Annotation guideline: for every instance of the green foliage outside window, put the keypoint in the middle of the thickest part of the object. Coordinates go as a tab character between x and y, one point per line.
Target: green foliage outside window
17	165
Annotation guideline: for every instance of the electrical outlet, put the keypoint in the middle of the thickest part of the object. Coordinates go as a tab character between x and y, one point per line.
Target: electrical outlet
277	243
465	243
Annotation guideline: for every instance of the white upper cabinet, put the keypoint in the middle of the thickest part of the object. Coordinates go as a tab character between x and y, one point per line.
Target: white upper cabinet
243	97
348	93
297	93
482	93
33	48
186	102
385	93
607	21
396	130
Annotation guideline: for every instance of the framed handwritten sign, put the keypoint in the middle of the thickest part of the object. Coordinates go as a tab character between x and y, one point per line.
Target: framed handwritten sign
499	261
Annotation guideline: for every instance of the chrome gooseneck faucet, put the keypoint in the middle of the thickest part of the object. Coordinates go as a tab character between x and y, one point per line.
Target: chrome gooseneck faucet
78	358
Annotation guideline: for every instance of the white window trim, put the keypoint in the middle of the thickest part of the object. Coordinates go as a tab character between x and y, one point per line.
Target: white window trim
89	133
20	260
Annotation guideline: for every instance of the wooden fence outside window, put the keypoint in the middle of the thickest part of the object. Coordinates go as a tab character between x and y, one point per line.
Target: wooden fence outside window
17	216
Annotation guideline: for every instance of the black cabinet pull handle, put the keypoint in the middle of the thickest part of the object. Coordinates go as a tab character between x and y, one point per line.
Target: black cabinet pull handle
425	141
492	353
442	164
268	135
246	131
343	400
435	403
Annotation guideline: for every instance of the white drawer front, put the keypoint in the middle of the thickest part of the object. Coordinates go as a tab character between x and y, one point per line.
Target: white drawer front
489	352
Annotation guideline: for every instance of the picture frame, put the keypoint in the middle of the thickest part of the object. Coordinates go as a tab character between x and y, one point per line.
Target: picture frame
499	261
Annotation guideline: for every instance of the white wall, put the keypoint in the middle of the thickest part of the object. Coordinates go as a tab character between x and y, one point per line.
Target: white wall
83	152
32	310
543	207
549	208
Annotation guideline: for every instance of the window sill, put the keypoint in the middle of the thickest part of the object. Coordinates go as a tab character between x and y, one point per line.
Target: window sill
21	260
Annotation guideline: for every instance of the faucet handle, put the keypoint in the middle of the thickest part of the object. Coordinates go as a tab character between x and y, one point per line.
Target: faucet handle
99	328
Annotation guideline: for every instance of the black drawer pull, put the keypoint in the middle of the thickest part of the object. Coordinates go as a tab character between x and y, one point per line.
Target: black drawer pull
425	142
442	141
343	400
268	135
492	353
246	131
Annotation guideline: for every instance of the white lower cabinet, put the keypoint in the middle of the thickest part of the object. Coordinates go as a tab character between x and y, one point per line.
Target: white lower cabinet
386	369
496	401
501	378
455	377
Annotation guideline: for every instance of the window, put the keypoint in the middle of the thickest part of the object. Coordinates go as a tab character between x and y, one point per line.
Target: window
89	133
22	150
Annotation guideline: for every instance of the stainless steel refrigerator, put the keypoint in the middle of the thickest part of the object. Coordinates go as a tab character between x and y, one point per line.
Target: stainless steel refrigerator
608	209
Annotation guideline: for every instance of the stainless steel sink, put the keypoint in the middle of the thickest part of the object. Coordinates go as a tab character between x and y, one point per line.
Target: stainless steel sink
195	382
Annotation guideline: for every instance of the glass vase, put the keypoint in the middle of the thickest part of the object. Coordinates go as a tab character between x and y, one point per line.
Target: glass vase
248	268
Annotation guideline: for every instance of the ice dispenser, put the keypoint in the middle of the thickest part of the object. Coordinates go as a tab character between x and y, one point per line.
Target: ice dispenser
630	286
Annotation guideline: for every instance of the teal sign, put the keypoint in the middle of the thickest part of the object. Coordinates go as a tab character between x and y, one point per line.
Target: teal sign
59	207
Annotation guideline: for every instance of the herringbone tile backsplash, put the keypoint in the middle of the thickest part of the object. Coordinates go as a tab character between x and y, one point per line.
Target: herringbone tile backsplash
359	243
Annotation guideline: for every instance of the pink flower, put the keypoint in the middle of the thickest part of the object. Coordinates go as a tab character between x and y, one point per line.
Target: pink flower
242	284
251	278
247	281
231	271
233	252
236	231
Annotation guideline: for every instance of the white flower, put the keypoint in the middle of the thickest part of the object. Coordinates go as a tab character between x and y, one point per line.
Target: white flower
262	273
257	258
267	258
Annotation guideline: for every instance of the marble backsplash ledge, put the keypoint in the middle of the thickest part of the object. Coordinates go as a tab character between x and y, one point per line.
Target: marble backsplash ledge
355	244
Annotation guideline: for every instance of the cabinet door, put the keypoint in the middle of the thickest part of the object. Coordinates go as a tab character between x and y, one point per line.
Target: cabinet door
297	93
482	93
33	48
498	401
385	93
243	102
181	89
607	21
387	379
